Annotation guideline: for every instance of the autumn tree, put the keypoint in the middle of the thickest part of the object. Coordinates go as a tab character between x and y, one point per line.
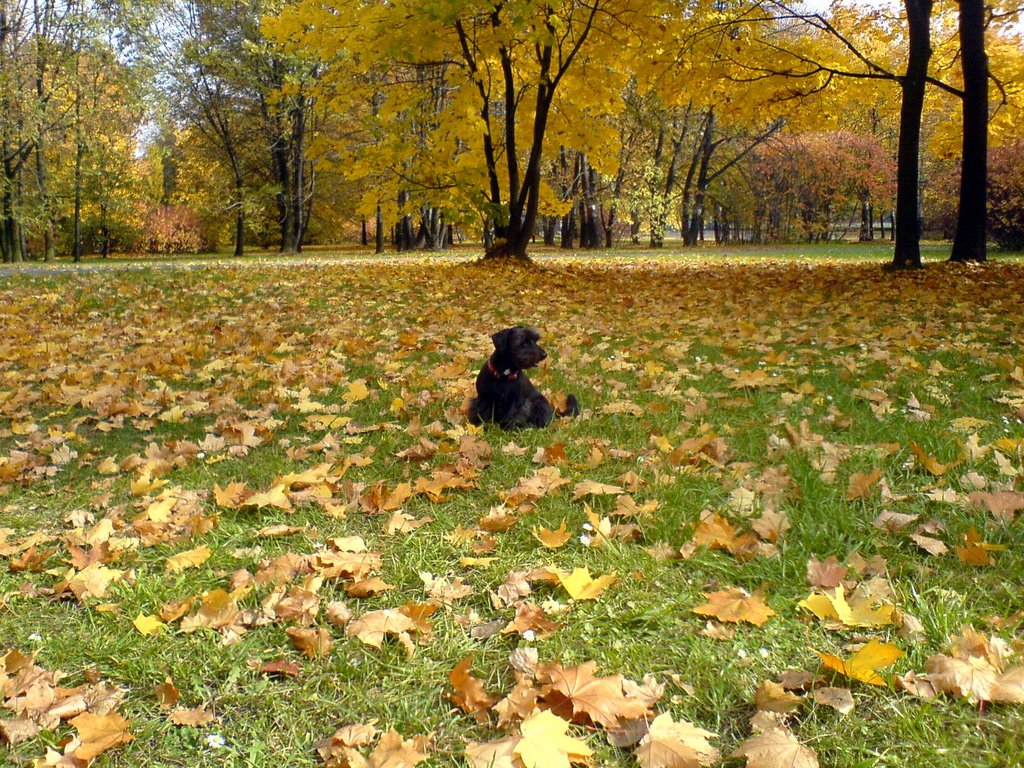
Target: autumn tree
243	93
507	70
65	66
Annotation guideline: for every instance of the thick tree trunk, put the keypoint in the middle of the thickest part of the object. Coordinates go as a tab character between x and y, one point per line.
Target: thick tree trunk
972	219
907	250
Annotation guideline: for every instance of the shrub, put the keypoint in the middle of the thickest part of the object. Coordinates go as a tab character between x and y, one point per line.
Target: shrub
173	229
1006	195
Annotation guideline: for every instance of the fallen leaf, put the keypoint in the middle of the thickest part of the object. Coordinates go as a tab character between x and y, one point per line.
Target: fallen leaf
500	753
735	605
581	586
772	697
865	663
776	748
392	751
670	744
861	484
552	539
98	733
195	718
469	692
840	699
545	743
147	625
311	642
193	558
596	699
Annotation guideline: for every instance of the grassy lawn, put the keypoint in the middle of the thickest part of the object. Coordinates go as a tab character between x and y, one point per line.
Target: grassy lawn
273	414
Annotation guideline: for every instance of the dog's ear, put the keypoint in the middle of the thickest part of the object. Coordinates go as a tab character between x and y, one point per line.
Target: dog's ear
503	339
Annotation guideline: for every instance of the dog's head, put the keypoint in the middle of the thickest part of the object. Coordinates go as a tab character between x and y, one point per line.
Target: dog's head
517	347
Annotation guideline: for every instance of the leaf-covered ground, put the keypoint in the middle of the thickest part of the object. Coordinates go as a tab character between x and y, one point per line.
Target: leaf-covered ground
241	507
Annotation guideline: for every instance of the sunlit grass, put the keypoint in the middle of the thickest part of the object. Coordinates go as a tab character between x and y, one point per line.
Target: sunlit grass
667	335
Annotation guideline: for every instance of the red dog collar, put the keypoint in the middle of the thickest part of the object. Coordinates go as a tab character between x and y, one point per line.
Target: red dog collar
508	374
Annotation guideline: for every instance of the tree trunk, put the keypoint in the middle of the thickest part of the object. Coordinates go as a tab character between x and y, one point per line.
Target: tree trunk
707	147
972	219
239	210
42	25
378	239
76	248
279	153
104	232
907	251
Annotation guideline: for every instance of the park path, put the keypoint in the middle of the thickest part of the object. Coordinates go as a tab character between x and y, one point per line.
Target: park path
125	265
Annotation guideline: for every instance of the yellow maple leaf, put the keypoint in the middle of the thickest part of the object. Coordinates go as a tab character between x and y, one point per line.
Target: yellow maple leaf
865	663
581	586
147	625
275	497
355	392
193	558
552	539
545	743
859	611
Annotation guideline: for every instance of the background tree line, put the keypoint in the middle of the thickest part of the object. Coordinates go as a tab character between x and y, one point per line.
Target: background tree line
188	125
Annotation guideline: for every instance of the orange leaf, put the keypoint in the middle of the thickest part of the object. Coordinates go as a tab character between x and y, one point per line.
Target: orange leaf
596	699
470	695
735	605
98	733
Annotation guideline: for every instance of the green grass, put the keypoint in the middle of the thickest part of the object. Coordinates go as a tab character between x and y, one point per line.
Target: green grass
101	355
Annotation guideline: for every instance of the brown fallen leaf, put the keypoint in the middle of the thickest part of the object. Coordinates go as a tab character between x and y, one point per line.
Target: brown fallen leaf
166	693
98	733
861	484
275	667
193	558
1002	505
196	717
670	744
776	748
499	753
826	574
773	697
840	699
371	628
599	700
735	605
469	693
392	751
311	642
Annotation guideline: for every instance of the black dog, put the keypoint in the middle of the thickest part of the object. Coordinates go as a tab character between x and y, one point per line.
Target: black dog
504	392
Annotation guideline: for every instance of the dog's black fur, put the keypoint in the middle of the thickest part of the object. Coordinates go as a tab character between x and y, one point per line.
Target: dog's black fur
505	395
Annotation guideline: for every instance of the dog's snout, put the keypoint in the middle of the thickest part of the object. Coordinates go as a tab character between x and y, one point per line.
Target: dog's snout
543	355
